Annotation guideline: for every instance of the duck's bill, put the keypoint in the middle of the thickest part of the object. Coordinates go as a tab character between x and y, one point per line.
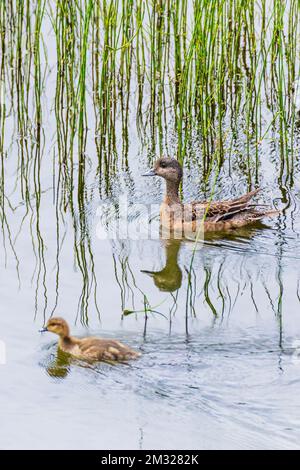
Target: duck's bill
43	330
149	273
150	173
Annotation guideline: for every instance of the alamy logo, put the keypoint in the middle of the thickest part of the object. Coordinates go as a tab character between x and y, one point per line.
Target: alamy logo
125	221
296	352
2	353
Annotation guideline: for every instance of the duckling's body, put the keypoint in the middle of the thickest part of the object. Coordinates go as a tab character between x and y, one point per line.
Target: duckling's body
97	349
91	348
208	216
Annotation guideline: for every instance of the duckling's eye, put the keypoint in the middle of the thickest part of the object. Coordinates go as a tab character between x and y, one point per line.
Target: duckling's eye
163	165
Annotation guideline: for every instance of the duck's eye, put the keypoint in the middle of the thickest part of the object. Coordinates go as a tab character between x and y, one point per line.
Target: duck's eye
163	165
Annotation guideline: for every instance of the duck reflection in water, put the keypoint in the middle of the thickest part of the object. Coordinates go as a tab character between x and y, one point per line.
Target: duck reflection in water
168	279
59	367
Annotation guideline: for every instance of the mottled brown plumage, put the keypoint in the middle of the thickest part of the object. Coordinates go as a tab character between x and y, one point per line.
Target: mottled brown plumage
90	348
210	216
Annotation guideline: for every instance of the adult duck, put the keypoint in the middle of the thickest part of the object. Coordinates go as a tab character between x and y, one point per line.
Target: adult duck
208	216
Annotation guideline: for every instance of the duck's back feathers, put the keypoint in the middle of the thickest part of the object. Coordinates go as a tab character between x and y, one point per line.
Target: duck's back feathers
98	349
107	349
215	211
210	216
237	212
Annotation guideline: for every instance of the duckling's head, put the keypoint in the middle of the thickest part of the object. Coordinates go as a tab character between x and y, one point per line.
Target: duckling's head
58	326
168	168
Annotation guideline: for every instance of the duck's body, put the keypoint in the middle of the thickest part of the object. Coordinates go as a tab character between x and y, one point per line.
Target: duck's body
212	216
91	348
207	216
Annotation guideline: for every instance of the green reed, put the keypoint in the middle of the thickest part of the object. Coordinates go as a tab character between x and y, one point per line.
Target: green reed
209	66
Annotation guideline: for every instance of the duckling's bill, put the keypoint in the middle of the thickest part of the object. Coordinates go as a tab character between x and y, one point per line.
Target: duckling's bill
43	330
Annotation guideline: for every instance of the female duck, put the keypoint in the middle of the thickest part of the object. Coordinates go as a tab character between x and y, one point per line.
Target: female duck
94	349
209	216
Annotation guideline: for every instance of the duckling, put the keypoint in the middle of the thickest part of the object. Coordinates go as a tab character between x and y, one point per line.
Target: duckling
210	216
94	349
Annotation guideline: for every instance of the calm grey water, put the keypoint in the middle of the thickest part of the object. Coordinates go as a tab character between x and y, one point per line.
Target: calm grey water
221	355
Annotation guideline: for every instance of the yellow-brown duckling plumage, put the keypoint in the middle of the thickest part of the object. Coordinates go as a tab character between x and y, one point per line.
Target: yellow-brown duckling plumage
211	216
90	348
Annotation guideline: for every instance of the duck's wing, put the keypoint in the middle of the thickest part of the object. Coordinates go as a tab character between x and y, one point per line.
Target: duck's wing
224	210
106	350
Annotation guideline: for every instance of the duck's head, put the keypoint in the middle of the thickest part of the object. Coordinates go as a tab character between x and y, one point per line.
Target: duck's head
58	326
168	168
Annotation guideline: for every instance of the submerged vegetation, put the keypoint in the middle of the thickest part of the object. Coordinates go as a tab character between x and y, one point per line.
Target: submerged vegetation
208	80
